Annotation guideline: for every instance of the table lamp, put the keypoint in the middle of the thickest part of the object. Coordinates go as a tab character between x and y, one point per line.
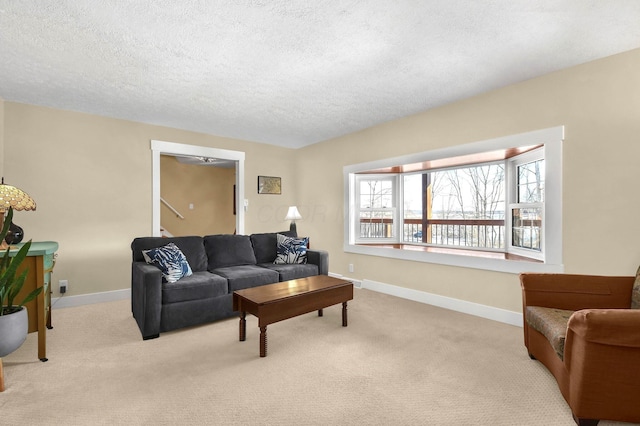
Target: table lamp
293	214
18	200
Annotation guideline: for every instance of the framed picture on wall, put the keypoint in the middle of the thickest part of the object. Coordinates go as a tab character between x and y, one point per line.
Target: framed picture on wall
269	185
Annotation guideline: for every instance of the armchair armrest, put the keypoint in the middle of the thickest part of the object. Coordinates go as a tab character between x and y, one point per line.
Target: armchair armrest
575	292
601	356
320	258
146	298
614	327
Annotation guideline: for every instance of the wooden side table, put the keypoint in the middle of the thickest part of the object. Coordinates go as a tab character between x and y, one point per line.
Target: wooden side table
40	261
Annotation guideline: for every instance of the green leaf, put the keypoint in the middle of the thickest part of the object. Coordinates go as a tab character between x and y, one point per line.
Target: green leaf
31	296
7	223
15	287
10	284
15	262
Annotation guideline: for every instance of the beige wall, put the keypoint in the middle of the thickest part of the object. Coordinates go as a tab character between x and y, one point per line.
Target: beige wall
91	177
208	189
599	103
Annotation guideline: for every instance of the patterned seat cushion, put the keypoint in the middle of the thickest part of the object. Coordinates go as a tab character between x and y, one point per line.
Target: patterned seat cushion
635	295
551	323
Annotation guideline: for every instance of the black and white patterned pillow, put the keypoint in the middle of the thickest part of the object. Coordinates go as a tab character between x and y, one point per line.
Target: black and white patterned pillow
170	260
291	250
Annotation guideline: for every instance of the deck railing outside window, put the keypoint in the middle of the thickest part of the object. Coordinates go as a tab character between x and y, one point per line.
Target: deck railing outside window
482	234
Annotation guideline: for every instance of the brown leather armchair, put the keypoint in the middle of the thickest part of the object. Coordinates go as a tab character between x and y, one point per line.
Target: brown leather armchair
597	363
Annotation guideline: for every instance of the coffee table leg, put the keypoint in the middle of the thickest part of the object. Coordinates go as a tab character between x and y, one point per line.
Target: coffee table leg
243	326
263	341
344	314
319	312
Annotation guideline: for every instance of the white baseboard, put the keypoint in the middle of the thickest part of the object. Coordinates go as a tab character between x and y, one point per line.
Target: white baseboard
87	299
356	283
112	296
476	309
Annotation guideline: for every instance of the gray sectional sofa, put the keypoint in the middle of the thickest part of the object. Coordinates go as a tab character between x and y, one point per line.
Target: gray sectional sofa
220	264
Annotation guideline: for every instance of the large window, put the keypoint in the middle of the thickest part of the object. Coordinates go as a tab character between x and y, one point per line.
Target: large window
486	197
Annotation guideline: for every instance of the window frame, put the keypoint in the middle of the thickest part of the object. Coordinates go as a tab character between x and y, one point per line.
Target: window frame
513	203
393	209
551	140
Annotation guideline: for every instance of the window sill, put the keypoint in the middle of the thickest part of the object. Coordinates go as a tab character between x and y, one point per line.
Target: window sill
487	260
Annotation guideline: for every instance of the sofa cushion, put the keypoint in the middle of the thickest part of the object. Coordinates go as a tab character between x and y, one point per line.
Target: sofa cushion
170	260
265	245
191	246
246	276
635	294
200	285
551	323
291	250
292	271
228	250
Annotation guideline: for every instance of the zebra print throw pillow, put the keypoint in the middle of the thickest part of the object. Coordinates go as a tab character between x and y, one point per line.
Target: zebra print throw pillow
291	250
170	260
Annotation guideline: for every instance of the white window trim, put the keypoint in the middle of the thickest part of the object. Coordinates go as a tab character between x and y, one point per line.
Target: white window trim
393	209
552	138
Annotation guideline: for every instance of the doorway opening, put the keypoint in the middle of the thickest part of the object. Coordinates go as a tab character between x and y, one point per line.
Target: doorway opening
231	158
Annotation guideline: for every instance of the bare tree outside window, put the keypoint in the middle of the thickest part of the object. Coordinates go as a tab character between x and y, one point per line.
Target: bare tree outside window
459	200
526	216
376	208
469	193
376	194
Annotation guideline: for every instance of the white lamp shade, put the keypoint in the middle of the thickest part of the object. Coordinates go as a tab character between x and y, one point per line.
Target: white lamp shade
293	214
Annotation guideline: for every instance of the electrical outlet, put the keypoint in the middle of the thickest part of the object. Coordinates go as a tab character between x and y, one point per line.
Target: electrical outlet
351	267
63	286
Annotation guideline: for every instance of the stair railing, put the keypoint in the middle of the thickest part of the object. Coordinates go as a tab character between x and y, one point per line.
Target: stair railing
171	208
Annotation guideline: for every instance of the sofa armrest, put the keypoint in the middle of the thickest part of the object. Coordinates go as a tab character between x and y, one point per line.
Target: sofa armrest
146	298
576	292
320	258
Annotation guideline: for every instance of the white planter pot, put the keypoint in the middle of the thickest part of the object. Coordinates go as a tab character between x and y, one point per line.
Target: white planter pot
13	331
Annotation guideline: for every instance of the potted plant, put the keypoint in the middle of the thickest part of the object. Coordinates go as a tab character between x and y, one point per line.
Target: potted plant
14	322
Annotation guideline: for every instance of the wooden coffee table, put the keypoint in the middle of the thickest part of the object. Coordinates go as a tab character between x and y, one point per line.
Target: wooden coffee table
276	302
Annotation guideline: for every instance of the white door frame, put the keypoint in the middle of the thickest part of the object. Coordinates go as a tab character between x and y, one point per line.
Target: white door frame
171	148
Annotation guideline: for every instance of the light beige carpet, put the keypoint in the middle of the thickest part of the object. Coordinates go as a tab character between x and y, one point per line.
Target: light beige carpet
397	363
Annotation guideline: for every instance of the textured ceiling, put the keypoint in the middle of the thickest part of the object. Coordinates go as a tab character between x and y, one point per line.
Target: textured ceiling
291	73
